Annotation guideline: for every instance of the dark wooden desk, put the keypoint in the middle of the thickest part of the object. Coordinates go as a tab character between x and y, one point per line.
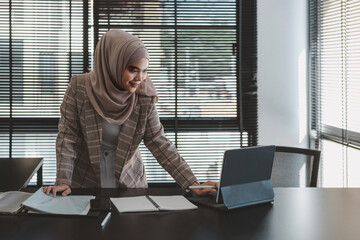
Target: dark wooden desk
16	173
297	213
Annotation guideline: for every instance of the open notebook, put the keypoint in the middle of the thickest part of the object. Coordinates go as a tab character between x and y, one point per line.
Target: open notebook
152	203
68	205
11	201
38	202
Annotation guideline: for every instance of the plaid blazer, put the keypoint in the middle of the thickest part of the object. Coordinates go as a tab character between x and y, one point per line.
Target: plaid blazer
79	139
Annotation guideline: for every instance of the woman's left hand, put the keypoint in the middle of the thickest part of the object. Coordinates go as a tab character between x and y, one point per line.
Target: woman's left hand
204	191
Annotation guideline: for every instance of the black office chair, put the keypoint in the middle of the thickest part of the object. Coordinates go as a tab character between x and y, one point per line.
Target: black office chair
295	167
16	173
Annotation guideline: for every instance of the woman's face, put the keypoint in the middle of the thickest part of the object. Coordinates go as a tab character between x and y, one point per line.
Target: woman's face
134	74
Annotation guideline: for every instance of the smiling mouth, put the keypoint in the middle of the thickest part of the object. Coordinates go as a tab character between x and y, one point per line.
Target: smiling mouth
134	84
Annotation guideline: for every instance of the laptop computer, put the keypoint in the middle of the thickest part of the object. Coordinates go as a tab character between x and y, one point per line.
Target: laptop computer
245	179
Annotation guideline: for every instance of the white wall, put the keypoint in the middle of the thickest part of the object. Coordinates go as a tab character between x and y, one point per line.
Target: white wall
282	72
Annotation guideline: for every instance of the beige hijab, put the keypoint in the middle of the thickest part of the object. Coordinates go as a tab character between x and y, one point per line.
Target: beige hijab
115	51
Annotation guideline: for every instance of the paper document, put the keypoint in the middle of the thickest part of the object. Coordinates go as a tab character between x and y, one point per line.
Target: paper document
176	202
10	202
152	203
69	205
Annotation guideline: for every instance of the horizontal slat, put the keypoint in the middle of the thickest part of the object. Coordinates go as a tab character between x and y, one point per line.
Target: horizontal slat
42	124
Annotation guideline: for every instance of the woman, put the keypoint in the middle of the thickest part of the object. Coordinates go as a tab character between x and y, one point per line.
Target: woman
105	114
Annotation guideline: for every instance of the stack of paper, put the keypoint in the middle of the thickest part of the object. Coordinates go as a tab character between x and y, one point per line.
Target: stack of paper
77	205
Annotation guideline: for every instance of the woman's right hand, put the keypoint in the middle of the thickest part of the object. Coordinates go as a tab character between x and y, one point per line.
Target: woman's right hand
65	189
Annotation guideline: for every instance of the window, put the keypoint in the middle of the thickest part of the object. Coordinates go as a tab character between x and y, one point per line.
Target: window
206	85
41	46
335	55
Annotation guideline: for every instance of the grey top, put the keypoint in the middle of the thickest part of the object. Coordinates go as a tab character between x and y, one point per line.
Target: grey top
108	154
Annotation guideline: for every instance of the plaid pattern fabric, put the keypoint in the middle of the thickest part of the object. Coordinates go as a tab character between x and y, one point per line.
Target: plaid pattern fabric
79	140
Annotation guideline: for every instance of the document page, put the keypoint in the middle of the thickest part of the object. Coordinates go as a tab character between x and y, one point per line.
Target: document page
133	204
68	205
176	202
10	202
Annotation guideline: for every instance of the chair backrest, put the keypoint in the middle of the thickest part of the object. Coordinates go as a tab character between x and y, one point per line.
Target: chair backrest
16	173
295	167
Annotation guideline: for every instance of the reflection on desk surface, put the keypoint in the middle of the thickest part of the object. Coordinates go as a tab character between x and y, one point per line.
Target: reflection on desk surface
296	213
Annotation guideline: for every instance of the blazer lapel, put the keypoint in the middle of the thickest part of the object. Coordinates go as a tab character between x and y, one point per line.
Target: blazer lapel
125	140
93	124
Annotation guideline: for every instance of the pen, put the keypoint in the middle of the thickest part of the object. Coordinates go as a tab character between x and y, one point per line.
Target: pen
106	219
201	186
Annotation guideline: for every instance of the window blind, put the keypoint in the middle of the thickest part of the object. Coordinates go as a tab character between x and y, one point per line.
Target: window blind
204	93
41	46
203	63
335	61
